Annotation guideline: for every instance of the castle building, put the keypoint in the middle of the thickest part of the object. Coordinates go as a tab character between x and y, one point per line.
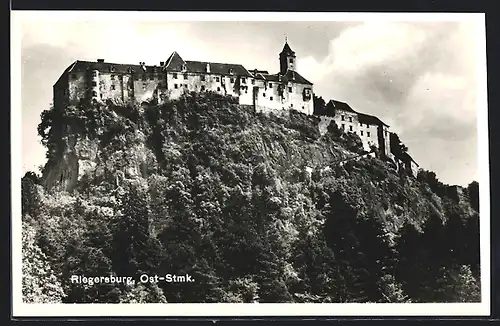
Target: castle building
102	81
371	130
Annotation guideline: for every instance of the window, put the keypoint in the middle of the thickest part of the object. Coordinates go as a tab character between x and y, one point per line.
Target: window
232	80
94	73
217	79
361	132
253	81
218	89
350	119
144	77
174	75
185	85
289	89
176	86
264	94
112	87
202	77
202	88
94	93
291	60
243	80
368	133
302	108
185	76
271	98
291	105
94	83
270	85
112	77
361	125
343	126
350	128
342	118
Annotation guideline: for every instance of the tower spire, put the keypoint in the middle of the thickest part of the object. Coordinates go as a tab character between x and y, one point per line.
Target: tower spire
286	38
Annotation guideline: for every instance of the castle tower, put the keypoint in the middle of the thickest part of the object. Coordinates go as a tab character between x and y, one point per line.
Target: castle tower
287	59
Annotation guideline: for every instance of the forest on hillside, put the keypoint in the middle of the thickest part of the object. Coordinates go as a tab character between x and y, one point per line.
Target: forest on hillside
224	195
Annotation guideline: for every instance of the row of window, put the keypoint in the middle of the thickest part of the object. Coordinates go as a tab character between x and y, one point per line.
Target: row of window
361	131
185	77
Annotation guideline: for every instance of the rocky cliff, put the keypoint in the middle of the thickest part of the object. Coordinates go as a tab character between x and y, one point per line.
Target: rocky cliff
193	185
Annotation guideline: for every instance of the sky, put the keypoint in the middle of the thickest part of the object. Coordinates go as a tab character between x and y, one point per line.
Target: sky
419	77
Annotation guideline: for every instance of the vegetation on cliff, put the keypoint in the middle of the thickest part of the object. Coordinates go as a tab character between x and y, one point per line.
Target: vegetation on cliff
247	204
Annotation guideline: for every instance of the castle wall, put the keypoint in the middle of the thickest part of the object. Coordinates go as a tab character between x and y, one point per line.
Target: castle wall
110	86
295	99
276	96
177	84
384	141
145	86
347	121
61	92
127	88
368	135
78	86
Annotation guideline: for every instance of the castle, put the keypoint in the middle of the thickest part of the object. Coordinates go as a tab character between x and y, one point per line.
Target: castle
135	84
102	81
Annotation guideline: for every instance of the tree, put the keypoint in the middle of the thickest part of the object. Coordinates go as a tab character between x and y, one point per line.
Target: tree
473	190
319	105
30	197
39	282
397	146
131	240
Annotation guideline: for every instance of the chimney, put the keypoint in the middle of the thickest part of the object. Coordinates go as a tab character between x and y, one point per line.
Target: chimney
162	63
208	67
100	60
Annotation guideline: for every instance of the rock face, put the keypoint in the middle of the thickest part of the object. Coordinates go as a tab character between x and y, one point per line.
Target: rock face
84	157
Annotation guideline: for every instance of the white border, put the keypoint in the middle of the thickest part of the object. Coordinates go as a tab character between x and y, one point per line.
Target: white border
237	310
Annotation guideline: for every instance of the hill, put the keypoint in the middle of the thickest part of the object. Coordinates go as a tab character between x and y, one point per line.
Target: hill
247	204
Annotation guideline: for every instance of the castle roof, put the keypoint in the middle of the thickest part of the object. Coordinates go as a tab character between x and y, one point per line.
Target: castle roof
334	105
370	119
217	68
287	50
289	76
176	63
82	66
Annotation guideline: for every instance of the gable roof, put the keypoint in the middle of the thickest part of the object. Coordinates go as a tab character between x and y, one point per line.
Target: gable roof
338	105
174	62
82	66
289	76
217	68
370	119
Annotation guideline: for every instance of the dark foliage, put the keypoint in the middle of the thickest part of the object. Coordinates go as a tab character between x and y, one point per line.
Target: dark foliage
228	197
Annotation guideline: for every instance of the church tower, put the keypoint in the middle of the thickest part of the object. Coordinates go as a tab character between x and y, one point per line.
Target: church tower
287	59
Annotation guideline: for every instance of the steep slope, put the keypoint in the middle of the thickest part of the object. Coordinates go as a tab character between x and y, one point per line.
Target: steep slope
249	204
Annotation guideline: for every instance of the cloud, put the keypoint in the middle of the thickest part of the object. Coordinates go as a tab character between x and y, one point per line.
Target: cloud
420	78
